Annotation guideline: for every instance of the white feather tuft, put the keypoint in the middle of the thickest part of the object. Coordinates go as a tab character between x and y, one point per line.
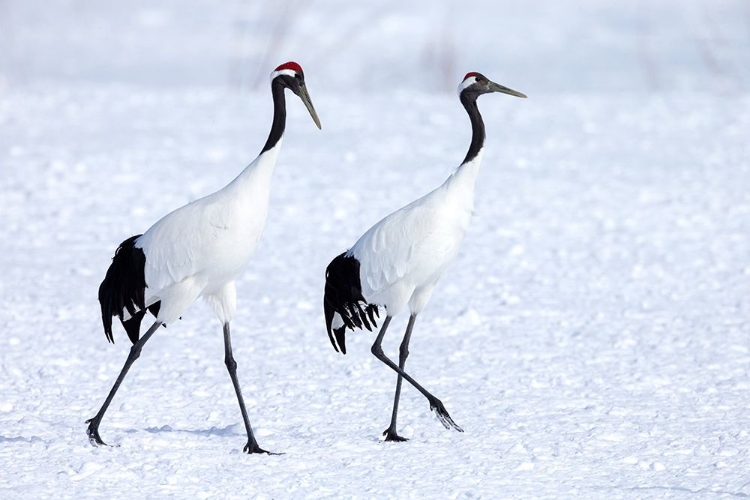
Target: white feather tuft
469	81
287	72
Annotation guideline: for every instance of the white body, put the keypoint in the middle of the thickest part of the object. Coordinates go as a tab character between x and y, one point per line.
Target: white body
403	256
199	249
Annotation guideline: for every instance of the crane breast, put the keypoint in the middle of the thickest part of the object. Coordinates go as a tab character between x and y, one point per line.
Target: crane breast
206	238
410	247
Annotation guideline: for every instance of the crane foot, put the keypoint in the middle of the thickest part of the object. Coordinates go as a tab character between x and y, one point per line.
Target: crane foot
442	414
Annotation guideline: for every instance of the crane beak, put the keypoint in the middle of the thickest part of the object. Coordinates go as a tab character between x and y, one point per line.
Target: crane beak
308	104
494	87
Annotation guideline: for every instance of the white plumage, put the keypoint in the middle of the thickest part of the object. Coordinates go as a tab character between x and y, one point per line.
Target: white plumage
403	256
398	262
197	251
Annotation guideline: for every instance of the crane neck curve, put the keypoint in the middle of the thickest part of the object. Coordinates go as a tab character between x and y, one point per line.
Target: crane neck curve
477	126
279	116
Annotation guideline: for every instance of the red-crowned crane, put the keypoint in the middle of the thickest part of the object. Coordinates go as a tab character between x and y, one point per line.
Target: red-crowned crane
197	251
399	260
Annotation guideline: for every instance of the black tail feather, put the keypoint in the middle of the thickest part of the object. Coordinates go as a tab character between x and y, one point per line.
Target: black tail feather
343	296
363	316
132	326
123	289
372	309
328	310
340	334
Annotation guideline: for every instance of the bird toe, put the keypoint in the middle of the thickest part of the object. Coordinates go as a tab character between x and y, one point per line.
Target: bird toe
252	447
391	435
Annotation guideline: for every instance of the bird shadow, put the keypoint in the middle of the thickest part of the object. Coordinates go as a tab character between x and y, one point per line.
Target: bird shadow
21	439
213	431
700	491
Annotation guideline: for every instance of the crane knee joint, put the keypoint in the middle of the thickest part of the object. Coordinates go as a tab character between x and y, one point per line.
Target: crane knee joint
135	352
404	352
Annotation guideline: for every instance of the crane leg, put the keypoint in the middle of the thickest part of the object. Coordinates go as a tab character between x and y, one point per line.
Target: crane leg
403	352
435	403
252	444
135	352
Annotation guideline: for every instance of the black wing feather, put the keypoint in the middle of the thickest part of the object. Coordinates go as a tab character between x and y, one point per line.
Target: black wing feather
123	289
343	296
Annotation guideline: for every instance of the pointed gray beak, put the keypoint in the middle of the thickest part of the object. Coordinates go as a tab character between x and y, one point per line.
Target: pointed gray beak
494	87
308	104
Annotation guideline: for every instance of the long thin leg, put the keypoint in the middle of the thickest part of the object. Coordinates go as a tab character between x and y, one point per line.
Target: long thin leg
135	352
403	353
252	444
435	403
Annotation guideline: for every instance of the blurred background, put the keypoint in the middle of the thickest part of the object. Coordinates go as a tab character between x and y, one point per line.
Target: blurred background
550	46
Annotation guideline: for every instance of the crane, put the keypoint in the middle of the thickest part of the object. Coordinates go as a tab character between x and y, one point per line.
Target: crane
397	263
197	251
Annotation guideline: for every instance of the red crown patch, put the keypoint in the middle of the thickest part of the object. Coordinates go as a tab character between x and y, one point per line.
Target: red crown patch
290	65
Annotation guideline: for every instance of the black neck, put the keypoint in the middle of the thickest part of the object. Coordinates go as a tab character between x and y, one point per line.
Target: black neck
477	126
279	115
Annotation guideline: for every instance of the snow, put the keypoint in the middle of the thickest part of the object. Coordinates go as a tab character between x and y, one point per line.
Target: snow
591	337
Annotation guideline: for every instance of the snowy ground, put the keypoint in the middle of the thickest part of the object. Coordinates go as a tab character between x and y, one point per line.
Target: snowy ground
591	338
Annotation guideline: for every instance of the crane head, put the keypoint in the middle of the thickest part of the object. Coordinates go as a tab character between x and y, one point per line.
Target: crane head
475	84
291	76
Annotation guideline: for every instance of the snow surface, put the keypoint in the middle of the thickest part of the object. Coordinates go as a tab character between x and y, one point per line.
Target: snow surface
591	338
